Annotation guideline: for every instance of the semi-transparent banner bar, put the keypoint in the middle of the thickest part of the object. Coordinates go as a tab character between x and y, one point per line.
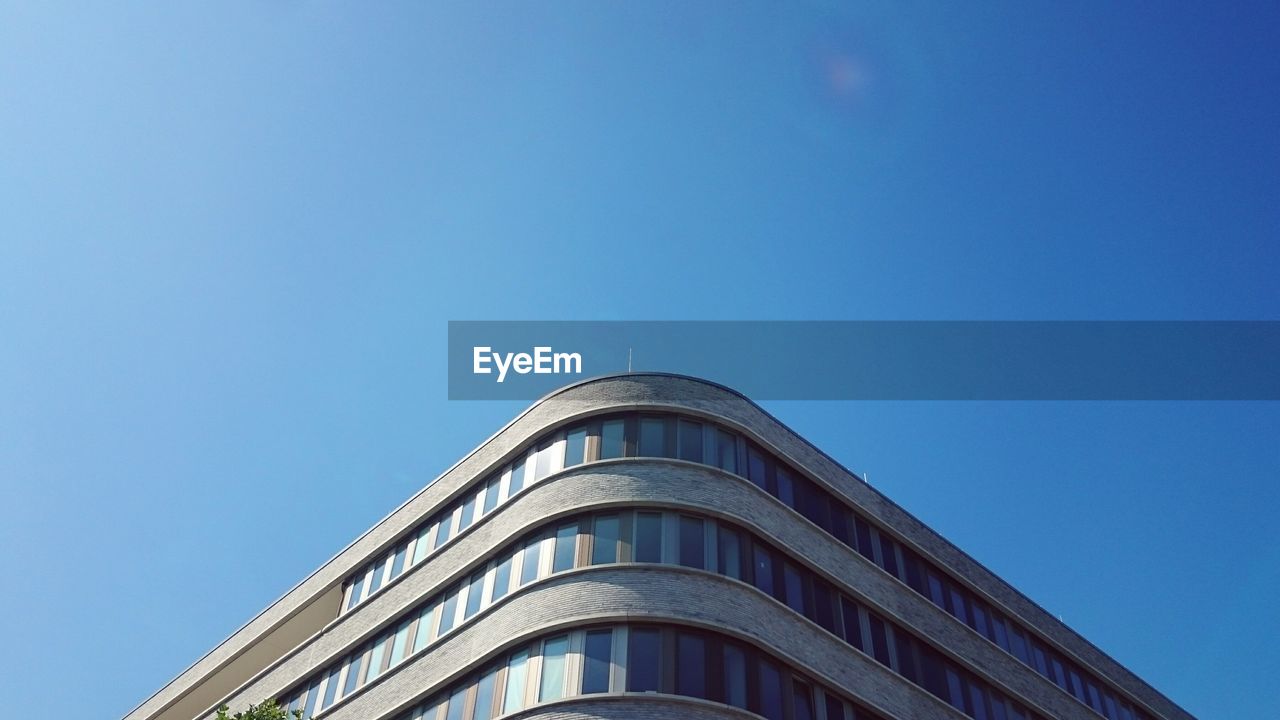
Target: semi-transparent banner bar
880	360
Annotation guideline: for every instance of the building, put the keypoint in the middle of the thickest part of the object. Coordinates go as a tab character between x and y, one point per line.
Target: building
655	546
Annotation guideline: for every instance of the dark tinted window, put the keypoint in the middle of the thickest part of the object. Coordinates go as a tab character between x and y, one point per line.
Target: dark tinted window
575	447
786	488
611	436
604	547
502	578
648	537
794	587
852	625
653	437
475	594
770	686
729	548
449	610
566	547
642	660
691	665
726	451
803	705
763	568
692	543
529	563
690	440
735	676
756	467
879	643
597	654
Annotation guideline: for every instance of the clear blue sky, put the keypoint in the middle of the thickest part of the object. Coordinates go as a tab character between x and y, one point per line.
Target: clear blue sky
231	237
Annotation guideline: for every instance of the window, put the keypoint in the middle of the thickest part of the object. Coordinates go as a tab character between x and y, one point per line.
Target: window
653	437
863	533
376	581
726	451
475	595
501	579
517	674
835	708
517	479
824	605
597	653
1018	644
786	489
457	703
421	547
763	569
756	467
353	674
735	676
529	563
997	627
604	544
770	690
449	610
484	696
803	700
879	642
794	587
442	531
642	660
375	660
553	652
611	439
957	605
397	562
888	558
398	644
979	619
575	447
423	635
542	466
357	588
648	547
566	547
309	707
979	701
691	665
955	692
729	549
852	623
331	686
692	543
689	438
491	493
468	513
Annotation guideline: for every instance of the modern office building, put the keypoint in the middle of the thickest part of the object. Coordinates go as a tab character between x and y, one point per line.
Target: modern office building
655	546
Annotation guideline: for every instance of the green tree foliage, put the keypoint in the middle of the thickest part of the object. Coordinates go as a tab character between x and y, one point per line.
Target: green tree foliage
268	710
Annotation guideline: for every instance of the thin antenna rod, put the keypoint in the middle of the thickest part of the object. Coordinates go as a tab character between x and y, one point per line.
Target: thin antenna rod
628	359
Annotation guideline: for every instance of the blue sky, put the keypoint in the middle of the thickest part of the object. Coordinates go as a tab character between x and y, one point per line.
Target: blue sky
231	237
